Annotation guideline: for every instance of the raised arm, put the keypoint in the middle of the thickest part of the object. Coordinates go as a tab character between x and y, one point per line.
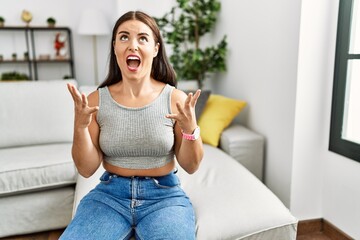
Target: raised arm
189	153
86	152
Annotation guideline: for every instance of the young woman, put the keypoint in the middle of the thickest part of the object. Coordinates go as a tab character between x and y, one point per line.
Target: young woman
136	124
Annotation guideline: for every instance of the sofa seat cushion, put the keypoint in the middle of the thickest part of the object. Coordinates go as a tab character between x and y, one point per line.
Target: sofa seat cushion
231	203
33	168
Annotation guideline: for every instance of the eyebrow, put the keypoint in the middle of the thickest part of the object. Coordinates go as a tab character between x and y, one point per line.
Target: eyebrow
139	34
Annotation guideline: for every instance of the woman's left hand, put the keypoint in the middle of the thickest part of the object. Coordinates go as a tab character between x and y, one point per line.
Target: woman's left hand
186	114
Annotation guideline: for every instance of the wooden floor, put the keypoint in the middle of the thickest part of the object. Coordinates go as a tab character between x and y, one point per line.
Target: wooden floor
50	235
54	235
314	229
313	236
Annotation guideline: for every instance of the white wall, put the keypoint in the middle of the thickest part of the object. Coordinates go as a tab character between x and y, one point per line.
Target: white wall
324	184
313	85
262	67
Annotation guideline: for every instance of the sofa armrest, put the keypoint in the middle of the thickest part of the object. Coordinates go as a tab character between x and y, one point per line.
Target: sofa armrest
245	146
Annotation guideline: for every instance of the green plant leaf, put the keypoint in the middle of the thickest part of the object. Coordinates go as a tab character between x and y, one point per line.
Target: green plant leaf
182	27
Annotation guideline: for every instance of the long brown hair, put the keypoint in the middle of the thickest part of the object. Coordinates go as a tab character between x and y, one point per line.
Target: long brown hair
161	68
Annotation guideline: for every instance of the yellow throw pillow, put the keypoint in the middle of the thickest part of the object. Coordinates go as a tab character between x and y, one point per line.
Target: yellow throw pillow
218	113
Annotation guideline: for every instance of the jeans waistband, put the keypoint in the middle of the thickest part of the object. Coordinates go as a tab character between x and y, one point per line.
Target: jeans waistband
143	177
168	180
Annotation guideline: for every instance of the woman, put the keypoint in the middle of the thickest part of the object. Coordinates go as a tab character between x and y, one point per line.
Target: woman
135	124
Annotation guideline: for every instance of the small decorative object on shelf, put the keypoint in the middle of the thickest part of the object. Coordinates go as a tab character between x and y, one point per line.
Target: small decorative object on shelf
44	57
51	22
31	58
59	45
26	55
6	76
14	56
26	16
2	21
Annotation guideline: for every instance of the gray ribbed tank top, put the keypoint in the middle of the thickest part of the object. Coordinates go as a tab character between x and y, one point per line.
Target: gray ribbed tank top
136	138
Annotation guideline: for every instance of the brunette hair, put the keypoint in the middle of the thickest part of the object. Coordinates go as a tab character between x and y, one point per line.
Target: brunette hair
161	68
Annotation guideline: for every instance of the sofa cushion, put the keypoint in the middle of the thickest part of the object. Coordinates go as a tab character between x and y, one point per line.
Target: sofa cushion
36	212
35	112
219	112
35	168
231	203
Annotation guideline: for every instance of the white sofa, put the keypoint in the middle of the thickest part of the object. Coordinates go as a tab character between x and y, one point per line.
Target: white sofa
37	175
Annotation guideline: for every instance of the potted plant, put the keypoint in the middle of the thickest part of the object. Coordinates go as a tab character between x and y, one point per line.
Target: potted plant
2	21
11	76
14	56
183	28
26	55
51	22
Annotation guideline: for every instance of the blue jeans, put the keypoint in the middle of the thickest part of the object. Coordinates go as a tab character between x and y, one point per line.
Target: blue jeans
144	207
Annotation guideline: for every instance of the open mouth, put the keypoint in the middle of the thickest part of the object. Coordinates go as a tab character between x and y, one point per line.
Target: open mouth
133	62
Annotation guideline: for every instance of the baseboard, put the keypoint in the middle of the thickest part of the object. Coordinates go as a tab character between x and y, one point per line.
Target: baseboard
321	225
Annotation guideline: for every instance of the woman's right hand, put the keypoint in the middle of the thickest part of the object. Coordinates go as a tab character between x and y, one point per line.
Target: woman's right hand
83	113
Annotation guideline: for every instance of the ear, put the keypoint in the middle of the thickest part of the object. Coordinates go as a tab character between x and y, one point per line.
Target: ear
157	46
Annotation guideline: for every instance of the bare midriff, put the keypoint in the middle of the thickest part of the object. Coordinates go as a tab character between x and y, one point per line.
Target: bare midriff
154	172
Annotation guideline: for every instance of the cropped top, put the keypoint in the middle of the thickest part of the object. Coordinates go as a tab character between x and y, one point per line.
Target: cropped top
136	138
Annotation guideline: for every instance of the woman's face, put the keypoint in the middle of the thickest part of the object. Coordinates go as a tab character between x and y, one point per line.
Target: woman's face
135	49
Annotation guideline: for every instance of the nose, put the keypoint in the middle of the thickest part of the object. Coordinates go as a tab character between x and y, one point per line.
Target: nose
133	46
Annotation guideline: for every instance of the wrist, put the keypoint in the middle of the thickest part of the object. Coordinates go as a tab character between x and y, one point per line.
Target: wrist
195	134
189	130
80	129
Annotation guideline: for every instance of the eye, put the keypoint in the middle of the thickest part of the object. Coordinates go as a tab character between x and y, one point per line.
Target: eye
123	38
143	39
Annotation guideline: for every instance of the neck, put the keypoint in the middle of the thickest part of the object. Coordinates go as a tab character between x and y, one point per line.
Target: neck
137	88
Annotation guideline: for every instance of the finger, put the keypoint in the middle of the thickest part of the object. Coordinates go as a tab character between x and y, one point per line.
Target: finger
93	109
179	107
196	97
188	99
71	91
84	100
75	93
172	116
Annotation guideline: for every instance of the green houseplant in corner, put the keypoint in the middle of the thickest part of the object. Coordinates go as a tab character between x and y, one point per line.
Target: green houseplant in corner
182	29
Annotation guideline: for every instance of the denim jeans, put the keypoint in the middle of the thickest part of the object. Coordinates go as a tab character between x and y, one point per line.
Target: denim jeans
144	207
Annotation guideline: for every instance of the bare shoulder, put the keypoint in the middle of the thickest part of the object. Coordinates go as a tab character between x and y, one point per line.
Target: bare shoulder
93	98
178	96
